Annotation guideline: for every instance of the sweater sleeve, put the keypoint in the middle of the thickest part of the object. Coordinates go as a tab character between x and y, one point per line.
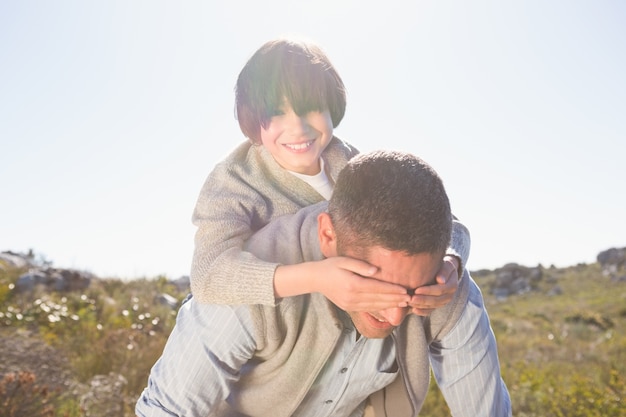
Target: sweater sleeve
221	272
459	244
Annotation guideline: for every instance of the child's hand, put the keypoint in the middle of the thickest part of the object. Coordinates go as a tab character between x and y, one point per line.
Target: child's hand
427	298
345	282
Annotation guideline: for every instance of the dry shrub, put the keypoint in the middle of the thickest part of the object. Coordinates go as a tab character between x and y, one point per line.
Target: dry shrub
21	396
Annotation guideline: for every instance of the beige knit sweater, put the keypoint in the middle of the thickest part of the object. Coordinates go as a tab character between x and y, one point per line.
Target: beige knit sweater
242	194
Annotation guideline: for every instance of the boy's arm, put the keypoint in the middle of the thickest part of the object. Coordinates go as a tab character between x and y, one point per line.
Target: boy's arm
233	203
221	272
197	369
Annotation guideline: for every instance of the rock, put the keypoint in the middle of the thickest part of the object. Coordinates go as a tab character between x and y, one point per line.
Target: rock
613	256
168	300
613	262
14	260
29	280
70	280
556	290
617	278
24	351
515	279
182	284
52	279
500	293
105	396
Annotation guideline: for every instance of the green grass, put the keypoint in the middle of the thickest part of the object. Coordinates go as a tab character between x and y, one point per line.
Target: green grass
114	326
561	355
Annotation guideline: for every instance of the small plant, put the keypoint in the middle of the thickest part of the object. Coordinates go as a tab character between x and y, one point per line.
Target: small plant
20	396
591	318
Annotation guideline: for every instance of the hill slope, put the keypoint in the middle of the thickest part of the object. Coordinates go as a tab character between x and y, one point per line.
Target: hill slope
562	343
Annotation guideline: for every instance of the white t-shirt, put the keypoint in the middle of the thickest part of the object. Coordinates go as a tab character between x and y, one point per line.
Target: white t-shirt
319	182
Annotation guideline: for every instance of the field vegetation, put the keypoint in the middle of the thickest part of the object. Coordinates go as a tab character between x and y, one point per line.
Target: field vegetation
562	353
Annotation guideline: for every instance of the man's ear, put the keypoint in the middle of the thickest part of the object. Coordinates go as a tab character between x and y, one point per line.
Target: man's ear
326	235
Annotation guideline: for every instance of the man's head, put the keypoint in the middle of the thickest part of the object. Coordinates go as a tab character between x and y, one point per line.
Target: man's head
391	210
287	71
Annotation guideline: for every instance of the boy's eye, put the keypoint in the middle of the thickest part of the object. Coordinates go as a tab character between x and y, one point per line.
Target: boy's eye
276	112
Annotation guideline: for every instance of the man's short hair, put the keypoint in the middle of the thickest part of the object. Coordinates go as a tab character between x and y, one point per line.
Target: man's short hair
390	199
286	68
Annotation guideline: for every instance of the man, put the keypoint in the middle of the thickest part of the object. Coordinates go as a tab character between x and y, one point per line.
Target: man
306	357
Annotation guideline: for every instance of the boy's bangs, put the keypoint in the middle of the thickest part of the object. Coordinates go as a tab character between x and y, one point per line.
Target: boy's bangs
306	90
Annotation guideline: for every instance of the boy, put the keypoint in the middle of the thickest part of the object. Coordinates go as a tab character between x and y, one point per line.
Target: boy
289	98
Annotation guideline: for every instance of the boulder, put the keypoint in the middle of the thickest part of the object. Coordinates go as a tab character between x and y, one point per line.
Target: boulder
613	256
514	279
53	279
15	260
104	397
168	300
613	262
182	284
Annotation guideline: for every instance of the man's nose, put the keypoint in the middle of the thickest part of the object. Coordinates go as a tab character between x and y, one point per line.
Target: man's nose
395	315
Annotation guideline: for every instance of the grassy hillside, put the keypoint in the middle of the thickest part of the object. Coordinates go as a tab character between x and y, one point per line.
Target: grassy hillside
561	355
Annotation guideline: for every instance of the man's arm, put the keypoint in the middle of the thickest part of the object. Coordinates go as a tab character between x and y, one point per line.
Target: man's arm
466	366
200	362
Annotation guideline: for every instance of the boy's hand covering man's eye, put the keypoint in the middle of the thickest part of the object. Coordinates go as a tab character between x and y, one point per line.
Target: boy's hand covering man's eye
426	299
345	282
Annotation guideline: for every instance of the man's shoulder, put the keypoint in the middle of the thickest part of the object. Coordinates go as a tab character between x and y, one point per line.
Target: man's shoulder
289	239
272	324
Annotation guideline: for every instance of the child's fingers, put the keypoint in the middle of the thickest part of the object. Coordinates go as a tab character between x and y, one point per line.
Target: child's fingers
430	302
365	284
369	294
432	296
357	266
376	302
434	290
446	273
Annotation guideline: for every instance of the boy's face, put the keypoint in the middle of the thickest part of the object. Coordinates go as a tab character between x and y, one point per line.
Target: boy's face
297	142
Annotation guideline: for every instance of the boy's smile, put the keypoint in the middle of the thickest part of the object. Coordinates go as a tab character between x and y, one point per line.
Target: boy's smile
297	142
299	147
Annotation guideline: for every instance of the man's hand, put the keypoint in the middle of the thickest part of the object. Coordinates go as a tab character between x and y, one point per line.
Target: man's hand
426	299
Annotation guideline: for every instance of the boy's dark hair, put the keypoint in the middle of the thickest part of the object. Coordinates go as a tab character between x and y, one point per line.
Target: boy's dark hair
390	199
287	69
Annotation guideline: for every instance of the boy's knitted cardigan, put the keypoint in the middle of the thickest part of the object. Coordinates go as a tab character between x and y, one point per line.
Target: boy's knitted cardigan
242	194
